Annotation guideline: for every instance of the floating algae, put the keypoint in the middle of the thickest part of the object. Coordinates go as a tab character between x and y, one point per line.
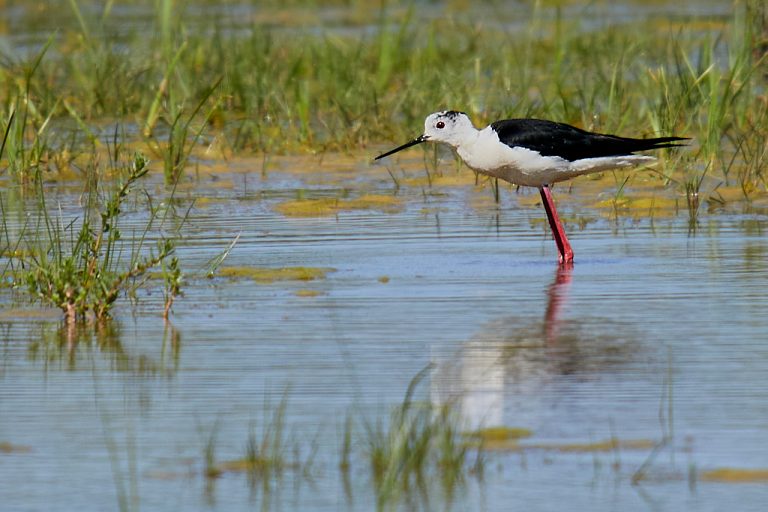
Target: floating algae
500	433
6	447
599	446
270	275
327	206
308	293
499	438
734	475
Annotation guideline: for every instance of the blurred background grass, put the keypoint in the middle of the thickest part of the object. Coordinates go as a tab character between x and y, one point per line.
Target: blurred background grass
310	76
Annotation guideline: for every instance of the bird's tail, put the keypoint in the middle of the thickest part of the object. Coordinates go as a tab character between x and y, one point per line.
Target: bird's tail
665	142
659	143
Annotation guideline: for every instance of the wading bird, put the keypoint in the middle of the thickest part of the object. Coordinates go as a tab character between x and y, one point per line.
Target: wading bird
535	153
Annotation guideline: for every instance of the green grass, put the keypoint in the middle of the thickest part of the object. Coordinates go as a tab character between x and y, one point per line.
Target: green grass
421	444
82	264
187	87
268	455
185	80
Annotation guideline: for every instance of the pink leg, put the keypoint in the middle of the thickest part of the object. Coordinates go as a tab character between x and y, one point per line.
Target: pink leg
563	246
558	297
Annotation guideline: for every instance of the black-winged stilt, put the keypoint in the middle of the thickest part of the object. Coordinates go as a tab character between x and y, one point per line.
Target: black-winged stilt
535	153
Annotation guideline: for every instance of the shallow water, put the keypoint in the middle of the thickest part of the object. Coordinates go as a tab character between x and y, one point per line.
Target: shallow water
655	331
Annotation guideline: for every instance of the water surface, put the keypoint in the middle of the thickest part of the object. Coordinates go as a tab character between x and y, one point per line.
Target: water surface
656	331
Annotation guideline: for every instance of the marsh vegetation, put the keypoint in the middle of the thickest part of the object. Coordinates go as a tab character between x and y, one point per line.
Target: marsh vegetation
223	150
189	89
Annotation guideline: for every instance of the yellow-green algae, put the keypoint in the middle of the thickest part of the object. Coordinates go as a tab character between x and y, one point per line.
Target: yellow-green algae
503	441
270	275
499	438
41	313
327	206
308	293
500	433
736	475
6	447
599	446
460	179
247	464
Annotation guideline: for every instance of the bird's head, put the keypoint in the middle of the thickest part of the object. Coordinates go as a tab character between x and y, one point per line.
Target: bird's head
447	126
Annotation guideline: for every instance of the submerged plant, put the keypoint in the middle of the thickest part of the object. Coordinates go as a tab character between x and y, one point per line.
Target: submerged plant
422	443
79	266
266	459
173	281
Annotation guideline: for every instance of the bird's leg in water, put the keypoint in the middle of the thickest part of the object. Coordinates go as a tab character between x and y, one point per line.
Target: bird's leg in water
563	246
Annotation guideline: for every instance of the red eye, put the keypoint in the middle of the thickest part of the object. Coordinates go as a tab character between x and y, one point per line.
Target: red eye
440	125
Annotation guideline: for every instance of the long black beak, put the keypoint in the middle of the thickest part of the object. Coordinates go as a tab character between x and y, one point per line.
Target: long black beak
417	140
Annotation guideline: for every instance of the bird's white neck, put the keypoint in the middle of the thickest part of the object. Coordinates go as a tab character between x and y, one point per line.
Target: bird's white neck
465	140
465	145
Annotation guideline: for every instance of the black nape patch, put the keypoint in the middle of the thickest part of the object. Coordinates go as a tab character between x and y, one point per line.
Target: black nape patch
453	114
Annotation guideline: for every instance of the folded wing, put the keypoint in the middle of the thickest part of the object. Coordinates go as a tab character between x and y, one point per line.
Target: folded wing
559	139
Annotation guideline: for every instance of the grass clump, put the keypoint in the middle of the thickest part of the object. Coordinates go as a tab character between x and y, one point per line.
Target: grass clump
420	443
269	452
80	266
266	454
260	87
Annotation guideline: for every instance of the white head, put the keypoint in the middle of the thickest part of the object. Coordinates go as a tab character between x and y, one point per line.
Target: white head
447	126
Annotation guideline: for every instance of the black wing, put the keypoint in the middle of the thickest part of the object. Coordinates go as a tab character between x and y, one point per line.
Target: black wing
559	139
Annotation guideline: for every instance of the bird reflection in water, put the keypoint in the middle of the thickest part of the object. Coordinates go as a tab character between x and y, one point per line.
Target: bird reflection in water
557	298
510	363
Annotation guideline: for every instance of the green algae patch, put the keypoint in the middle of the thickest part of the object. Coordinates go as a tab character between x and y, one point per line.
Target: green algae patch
308	293
599	446
643	206
241	465
734	475
309	207
500	433
250	465
34	313
328	206
6	447
271	275
732	194
498	438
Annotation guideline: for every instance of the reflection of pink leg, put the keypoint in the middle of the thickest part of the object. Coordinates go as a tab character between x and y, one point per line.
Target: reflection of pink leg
556	297
563	246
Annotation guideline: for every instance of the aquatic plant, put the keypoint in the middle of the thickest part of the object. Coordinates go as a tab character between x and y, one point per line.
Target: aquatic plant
182	137
25	146
283	91
173	279
79	265
267	451
420	443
